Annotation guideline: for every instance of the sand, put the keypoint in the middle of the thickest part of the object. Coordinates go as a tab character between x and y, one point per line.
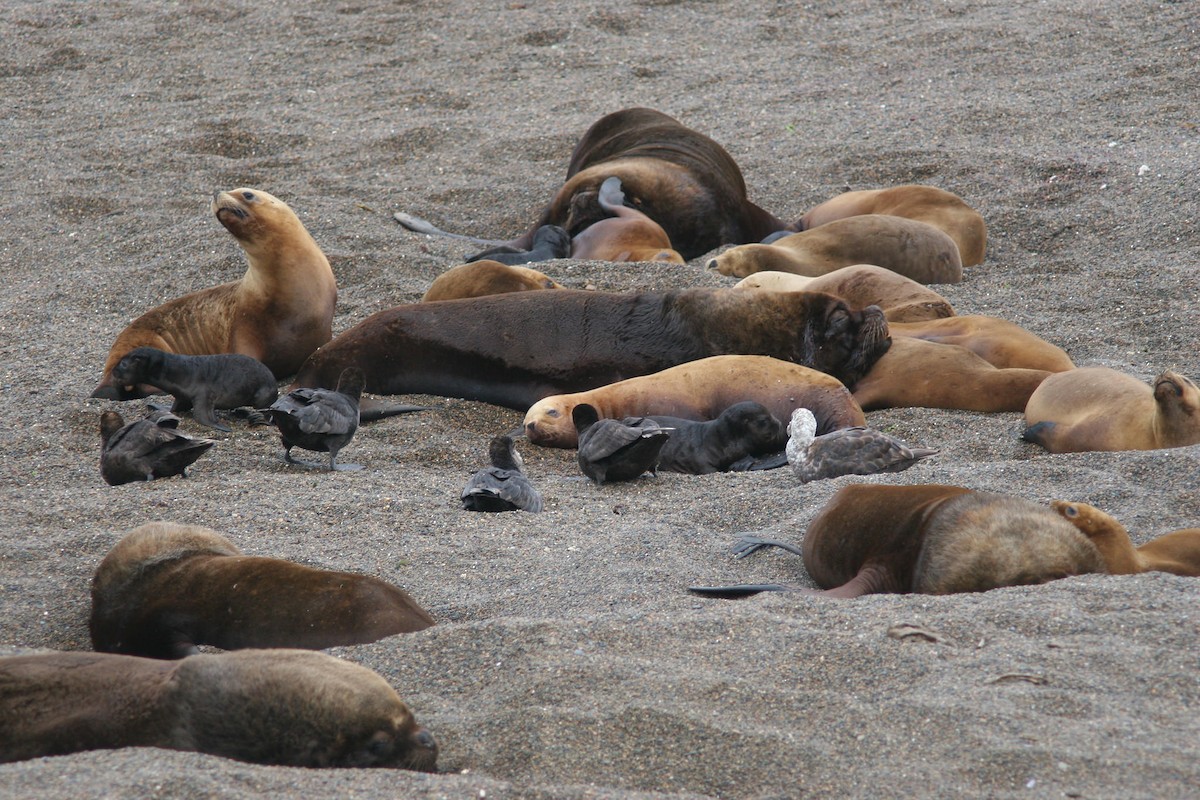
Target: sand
569	661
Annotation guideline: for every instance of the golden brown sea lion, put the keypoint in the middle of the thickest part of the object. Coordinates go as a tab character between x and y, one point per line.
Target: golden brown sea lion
902	299
287	707
514	349
944	210
997	341
1177	552
915	373
279	312
1097	408
166	588
628	235
482	278
701	390
914	249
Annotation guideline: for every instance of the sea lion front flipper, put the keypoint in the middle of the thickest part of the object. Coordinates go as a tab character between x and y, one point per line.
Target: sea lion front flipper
203	413
737	590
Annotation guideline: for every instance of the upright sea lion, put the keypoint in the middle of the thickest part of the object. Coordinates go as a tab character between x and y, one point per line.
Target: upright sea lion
915	373
999	342
944	210
1097	408
279	312
701	390
514	349
902	299
286	707
165	588
628	235
681	179
1177	552
482	278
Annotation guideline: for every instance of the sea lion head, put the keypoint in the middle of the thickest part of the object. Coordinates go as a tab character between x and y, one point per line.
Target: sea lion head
755	425
258	220
1178	402
849	342
548	422
136	367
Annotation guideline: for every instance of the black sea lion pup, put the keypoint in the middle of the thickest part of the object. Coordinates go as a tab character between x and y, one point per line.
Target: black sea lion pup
731	442
549	242
503	486
616	450
321	420
199	383
146	448
849	451
164	589
291	708
932	539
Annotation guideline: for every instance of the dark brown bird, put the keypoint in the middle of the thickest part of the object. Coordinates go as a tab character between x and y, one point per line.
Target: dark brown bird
321	420
147	448
503	486
616	450
848	451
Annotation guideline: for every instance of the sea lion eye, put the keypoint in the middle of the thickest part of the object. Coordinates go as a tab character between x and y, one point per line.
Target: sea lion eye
552	413
248	195
1070	512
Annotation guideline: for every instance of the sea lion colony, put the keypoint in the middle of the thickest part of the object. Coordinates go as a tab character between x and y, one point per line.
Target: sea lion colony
635	171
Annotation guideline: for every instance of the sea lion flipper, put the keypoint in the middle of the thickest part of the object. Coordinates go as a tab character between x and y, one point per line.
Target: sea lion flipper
370	410
737	590
752	464
1039	433
203	413
748	543
419	225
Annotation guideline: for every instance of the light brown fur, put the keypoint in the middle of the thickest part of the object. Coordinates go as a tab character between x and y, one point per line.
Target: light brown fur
630	235
997	341
485	277
902	299
1097	408
1177	552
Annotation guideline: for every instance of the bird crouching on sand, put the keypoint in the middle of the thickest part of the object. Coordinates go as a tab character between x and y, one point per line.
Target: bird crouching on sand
616	450
321	420
503	486
848	451
146	448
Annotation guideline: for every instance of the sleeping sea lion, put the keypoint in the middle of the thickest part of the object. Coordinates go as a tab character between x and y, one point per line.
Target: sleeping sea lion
628	235
732	442
999	342
482	278
902	299
1177	552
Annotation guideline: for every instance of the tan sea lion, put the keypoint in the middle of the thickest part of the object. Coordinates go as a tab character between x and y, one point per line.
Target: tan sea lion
681	179
166	588
279	312
915	373
914	249
1177	552
902	299
286	707
701	390
1097	408
482	278
944	210
514	349
999	342
628	235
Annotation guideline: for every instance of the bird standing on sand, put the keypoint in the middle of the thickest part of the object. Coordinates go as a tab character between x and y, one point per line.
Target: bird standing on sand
502	486
848	451
616	450
147	448
321	420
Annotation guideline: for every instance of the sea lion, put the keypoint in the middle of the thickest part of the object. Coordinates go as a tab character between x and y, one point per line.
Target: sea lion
944	210
482	278
286	707
848	451
1177	552
321	420
932	539
503	486
279	312
681	179
701	390
616	450
628	235
199	383
165	588
999	342
915	373
549	242
911	248
1097	408
732	442
146	449
514	349
902	299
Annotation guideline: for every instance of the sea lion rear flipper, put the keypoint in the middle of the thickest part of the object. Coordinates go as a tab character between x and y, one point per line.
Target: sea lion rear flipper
418	225
370	410
1039	433
737	590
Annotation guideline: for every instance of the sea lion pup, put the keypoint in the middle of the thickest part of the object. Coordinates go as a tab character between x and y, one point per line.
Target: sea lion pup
932	539
616	450
628	235
902	299
701	390
681	179
944	210
482	278
146	449
279	312
199	383
164	589
1097	408
907	247
503	486
291	708
321	420
1177	552
915	373
732	442
549	242
849	451
514	349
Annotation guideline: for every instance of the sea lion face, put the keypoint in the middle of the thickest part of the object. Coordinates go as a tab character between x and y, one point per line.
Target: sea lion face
850	342
252	215
136	366
761	430
1174	390
548	423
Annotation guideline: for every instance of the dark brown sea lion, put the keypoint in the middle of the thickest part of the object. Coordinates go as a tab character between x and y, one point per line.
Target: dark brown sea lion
514	349
908	247
732	442
199	383
915	373
1097	408
286	707
681	179
279	312
1177	552
701	390
944	210
628	235
165	588
999	342
902	299
482	278
146	449
933	539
